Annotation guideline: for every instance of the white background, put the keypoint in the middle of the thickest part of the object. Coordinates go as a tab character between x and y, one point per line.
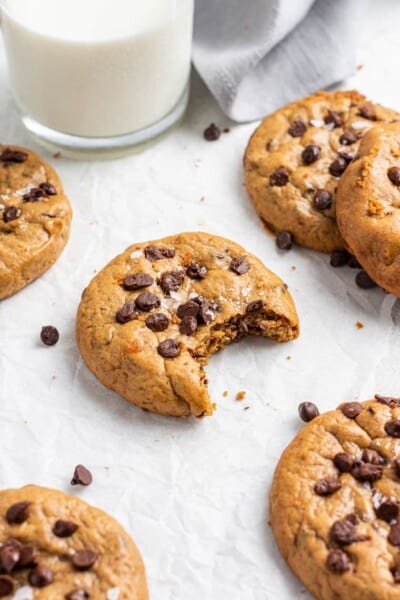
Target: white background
193	493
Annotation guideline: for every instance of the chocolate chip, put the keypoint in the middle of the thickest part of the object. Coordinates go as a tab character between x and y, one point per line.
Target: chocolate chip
392	428
255	307
351	410
367	111
137	281
394	175
338	561
11	213
338	166
40	577
83	560
280	177
81	476
27	557
206	310
188	309
48	188
394	534
310	154
297	128
348	138
80	594
353	263
239	265
127	313
153	253
387	511
188	325
169	349
9	557
366	472
34	195
147	302
364	281
196	271
343	461
7	586
396	464
64	529
327	486
15	156
348	156
157	322
396	574
339	258
18	513
372	456
172	281
344	531
308	411
387	400
334	118
49	335
284	240
322	200
212	133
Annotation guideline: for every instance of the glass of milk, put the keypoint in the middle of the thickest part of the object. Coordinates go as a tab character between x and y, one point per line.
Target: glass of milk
98	76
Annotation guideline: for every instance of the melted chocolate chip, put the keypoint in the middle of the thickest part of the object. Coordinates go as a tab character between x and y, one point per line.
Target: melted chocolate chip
338	561
239	265
64	529
9	557
322	200
7	586
188	325
80	594
343	461
49	335
338	166
34	195
212	133
308	411
297	128
339	258
188	309
327	486
169	349
372	456
387	511
196	271
344	531
394	175
27	557
81	476
127	313
83	560
146	302
137	281
157	322
348	138
153	253
280	177
48	188
367	111
13	156
334	118
18	513
364	281
40	577
392	428
310	154
366	471
255	307
351	410
387	400
11	213
206	310
394	535
172	281
284	240
348	156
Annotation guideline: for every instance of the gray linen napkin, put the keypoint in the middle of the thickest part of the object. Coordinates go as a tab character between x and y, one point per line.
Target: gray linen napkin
255	55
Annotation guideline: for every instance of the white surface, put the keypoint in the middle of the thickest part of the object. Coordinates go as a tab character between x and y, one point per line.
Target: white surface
193	494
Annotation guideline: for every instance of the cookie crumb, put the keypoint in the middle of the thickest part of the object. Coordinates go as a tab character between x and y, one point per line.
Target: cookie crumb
225	393
288	358
246	408
241	395
57	155
202	199
359	325
360	67
226	129
293	267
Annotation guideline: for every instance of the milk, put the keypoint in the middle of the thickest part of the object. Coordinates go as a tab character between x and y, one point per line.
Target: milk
98	68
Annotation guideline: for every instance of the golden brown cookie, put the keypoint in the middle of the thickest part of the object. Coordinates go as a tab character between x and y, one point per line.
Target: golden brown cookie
150	319
334	503
35	216
58	547
368	206
296	157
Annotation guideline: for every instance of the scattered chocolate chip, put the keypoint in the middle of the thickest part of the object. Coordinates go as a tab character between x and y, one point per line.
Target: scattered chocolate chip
171	281
34	195
169	349
327	486
49	335
7	586
392	428
255	307
80	594
280	177
15	156
297	128
27	556
188	325
40	577
372	456
338	561
366	472
387	511
334	118
239	265
344	531
338	166
364	281
308	411
153	253
196	271
18	513
11	213
81	476
206	310
387	400
351	410
137	281
322	200
127	313
146	302
84	559
64	529
157	322
48	188
394	534
348	138
353	263
367	111
394	175
284	240
339	258
343	461
212	133
9	557
396	574
188	309
310	154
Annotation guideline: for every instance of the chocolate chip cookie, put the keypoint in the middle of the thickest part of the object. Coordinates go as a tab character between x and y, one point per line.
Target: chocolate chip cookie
150	319
335	502
57	547
35	217
296	157
368	206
